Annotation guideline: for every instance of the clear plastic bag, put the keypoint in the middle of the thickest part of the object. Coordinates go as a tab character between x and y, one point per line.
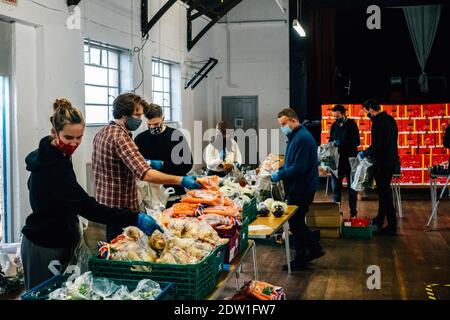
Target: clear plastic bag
146	290
104	287
152	196
81	288
328	157
361	174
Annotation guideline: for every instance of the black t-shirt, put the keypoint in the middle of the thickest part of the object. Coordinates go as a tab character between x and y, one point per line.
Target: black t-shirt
348	136
160	147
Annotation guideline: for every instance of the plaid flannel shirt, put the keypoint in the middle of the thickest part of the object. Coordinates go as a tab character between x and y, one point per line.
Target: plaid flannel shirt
116	163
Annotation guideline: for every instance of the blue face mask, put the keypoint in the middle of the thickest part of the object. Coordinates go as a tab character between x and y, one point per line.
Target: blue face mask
132	123
286	130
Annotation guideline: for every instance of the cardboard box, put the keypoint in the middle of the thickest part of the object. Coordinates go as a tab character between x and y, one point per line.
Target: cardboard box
329	232
323	209
323	222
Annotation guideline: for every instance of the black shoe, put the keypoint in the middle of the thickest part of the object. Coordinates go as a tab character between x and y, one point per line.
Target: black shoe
387	231
315	254
296	265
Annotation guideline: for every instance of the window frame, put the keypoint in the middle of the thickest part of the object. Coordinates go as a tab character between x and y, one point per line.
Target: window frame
162	63
120	52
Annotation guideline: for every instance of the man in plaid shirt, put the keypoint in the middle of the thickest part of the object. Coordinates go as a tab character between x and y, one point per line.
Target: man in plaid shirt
116	161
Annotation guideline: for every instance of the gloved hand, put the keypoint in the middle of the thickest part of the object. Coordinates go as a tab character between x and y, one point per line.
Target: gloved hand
190	182
336	143
237	165
156	164
362	155
221	155
147	224
275	177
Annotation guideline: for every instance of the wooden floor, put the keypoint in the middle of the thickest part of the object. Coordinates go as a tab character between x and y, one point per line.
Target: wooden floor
409	262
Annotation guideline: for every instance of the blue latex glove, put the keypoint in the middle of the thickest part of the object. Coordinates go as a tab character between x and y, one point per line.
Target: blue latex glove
362	154
147	224
336	143
156	164
275	177
190	182
221	155
237	164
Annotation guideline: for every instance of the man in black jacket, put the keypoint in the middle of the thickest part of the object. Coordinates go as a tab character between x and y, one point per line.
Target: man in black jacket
165	148
384	153
345	136
447	138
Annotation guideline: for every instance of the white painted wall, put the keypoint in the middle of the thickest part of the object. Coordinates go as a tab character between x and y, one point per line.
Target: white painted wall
259	60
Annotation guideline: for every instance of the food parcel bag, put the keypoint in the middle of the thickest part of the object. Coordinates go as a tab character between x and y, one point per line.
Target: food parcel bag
361	175
328	157
152	196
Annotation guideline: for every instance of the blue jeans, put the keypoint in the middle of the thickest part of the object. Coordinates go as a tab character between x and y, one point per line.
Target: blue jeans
336	184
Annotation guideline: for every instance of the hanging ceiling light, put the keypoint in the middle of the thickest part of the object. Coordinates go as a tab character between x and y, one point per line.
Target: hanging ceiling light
296	23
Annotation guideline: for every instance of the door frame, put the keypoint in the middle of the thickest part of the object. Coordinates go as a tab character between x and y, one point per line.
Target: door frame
243	97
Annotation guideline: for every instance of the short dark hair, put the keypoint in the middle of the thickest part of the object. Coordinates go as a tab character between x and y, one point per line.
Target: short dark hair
288	112
372	104
222	126
152	111
125	104
340	108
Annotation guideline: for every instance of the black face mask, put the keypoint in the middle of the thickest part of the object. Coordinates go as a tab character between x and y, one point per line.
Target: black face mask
369	115
340	120
156	130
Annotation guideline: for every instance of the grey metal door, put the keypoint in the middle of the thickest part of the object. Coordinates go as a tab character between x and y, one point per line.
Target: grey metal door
241	112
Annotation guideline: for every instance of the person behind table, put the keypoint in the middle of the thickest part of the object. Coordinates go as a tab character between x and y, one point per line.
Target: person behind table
158	148
301	180
222	153
447	138
56	199
384	153
344	134
117	162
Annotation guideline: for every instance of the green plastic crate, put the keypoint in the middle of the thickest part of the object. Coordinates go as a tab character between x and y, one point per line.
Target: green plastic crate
243	236
43	290
355	232
190	281
250	210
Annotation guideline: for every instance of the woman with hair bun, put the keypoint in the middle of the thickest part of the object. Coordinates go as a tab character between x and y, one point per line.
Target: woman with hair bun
51	231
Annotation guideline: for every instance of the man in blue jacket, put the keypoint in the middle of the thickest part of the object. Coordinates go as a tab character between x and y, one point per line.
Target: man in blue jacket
301	180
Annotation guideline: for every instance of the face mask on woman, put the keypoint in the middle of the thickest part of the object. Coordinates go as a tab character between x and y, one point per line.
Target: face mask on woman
67	149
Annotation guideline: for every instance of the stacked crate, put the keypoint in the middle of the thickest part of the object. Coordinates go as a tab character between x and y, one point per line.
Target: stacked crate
421	131
325	216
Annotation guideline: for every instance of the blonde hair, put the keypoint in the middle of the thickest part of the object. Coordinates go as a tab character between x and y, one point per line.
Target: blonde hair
64	113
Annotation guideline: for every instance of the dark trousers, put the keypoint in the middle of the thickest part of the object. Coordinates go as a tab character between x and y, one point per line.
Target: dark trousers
35	260
304	242
383	177
336	184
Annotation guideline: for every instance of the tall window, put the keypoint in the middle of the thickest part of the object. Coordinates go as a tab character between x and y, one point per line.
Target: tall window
162	86
107	72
